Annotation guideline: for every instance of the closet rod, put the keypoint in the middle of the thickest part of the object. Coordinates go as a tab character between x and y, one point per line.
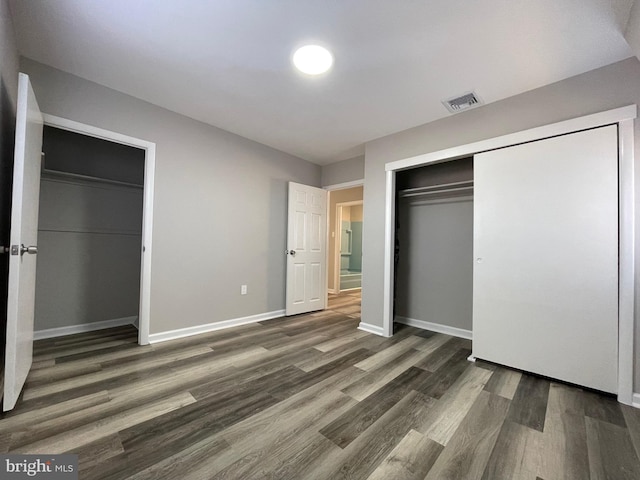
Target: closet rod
436	187
435	192
58	173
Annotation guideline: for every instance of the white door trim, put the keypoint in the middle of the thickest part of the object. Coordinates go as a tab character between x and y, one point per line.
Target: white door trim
624	117
344	185
147	217
389	247
626	272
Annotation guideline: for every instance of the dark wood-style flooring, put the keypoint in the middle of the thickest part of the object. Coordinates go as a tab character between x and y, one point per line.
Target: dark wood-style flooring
311	397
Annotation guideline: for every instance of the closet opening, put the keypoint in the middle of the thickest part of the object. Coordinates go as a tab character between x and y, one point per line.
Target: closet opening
536	196
88	275
433	264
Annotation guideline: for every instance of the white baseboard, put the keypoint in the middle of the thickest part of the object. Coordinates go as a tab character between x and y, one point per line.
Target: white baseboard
331	290
84	327
436	327
635	402
210	327
371	329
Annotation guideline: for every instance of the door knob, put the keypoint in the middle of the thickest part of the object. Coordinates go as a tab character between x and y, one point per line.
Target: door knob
291	252
31	249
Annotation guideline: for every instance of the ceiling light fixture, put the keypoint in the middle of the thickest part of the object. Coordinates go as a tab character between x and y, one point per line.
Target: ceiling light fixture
312	59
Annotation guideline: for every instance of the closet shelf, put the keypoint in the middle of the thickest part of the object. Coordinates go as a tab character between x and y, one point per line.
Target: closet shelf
56	173
437	189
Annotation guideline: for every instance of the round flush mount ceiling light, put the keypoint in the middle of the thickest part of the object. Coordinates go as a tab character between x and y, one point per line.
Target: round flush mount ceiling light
312	59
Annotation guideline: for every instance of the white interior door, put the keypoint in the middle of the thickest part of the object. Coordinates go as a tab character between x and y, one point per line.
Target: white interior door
306	249
545	285
24	236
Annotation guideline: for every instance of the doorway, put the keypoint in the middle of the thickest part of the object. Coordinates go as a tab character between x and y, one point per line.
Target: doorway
348	267
434	247
344	263
89	234
135	185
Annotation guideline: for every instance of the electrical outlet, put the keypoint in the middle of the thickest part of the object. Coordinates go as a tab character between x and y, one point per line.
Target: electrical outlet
243	289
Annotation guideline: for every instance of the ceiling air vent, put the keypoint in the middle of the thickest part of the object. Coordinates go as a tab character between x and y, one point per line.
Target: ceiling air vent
463	102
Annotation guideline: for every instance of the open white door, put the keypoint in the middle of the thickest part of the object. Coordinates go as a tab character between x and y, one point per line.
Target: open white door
24	235
306	249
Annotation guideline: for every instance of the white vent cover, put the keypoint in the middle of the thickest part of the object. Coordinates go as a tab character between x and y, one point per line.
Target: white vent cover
463	102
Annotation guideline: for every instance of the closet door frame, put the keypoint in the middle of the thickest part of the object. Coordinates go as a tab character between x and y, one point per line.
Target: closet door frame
622	117
144	312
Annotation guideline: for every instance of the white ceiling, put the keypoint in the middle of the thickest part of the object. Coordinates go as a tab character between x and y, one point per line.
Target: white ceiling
227	62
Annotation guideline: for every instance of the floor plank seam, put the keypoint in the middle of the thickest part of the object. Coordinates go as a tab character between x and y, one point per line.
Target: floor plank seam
311	397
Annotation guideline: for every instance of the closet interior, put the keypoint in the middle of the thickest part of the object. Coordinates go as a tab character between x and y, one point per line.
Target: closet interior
434	246
89	234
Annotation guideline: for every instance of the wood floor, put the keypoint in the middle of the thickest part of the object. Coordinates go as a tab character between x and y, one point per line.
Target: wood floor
311	397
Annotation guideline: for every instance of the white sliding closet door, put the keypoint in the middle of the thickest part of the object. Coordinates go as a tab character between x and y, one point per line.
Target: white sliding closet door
545	276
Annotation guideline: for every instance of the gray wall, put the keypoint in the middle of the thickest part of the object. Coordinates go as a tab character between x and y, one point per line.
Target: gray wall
342	172
89	240
8	100
435	271
609	87
220	203
632	32
338	196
